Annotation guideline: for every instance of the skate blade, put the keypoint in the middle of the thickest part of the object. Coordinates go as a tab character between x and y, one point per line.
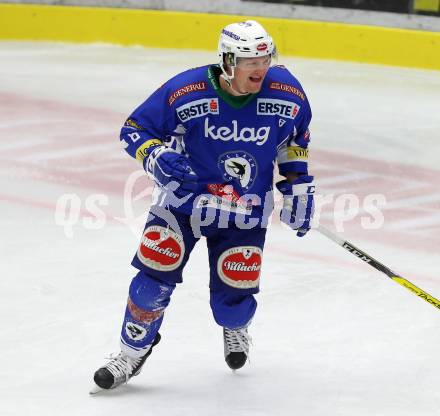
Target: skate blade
95	390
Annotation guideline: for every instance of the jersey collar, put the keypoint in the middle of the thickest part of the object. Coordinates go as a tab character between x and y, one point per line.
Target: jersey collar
234	101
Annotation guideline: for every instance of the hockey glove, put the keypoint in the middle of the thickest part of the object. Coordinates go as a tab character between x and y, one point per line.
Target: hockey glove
298	206
171	170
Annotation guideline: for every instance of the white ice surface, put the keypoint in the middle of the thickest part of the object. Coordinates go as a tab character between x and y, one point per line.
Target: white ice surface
332	336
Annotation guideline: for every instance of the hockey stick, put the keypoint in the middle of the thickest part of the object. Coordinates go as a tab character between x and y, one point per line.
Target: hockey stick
379	266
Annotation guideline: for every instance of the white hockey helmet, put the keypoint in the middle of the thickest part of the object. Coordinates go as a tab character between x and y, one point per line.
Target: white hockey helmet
243	40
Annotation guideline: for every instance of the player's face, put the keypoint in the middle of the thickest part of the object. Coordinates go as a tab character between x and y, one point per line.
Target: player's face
249	74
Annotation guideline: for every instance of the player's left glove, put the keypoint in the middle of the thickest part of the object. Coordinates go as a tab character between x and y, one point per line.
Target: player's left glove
298	206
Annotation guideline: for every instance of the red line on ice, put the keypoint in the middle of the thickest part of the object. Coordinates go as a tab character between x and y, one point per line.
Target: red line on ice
52	141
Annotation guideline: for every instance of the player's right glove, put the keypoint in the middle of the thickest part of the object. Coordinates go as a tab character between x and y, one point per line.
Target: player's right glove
298	206
171	170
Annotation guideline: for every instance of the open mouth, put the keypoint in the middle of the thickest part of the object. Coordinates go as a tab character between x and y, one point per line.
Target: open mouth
257	80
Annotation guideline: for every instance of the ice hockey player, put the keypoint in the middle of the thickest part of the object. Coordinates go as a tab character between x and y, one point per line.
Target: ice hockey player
209	138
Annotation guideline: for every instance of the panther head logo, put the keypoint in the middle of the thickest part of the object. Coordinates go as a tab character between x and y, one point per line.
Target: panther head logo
239	165
239	168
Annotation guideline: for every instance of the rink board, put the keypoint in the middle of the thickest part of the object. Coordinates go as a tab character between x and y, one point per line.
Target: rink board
168	29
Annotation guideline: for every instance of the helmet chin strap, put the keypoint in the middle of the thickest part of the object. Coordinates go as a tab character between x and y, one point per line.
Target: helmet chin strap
228	79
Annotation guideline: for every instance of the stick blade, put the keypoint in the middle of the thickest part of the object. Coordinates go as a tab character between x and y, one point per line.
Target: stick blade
416	290
95	390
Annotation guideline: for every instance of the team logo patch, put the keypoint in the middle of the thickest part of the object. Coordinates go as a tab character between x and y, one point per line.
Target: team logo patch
198	86
287	88
269	106
132	124
230	34
239	165
134	331
240	267
161	248
197	108
297	153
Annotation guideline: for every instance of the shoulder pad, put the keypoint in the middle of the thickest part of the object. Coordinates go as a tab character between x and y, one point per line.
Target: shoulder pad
279	80
192	81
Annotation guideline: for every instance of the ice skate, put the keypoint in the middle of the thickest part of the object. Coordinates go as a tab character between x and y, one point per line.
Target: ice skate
236	342
120	369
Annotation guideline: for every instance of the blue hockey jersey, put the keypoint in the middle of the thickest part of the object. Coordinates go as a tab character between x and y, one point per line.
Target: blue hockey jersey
232	143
